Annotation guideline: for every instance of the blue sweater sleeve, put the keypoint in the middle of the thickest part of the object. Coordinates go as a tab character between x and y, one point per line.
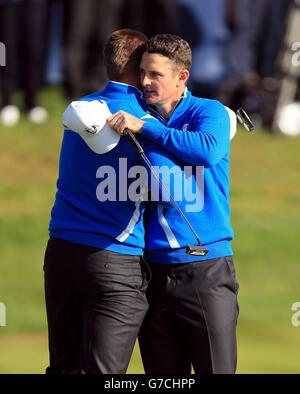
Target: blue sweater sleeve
206	144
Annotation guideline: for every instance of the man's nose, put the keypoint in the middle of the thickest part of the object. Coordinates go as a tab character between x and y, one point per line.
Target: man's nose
145	81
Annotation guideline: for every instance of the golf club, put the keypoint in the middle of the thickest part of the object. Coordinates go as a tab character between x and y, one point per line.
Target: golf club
196	250
244	119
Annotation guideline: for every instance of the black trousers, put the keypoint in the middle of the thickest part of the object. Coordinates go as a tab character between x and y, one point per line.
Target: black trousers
192	318
96	302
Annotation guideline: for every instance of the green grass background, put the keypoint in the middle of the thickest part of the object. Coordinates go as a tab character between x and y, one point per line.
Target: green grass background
265	202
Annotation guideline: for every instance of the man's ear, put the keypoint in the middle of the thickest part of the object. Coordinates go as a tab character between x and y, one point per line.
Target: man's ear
183	77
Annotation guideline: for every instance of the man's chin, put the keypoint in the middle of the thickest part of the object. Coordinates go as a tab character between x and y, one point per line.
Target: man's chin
149	99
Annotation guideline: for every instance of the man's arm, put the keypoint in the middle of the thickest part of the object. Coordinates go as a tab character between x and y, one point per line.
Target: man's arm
205	146
83	117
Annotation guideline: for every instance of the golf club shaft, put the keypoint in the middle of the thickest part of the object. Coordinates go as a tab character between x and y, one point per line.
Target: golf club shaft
141	152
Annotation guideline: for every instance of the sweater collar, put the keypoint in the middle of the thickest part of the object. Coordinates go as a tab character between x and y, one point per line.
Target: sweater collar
118	89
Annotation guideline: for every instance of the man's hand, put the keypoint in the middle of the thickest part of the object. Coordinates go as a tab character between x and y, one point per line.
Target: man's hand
122	120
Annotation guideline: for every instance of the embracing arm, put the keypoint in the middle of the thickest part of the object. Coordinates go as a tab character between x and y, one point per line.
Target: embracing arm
205	146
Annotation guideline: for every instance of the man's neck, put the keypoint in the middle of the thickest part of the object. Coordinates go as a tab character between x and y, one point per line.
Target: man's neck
135	82
166	110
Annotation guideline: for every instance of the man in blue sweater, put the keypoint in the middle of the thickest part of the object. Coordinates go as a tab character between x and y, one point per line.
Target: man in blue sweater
95	276
193	300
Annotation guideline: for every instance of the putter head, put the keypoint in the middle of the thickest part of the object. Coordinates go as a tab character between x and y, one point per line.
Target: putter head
196	250
244	119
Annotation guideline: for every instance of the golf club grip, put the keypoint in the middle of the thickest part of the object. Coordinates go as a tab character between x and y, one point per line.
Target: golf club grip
128	133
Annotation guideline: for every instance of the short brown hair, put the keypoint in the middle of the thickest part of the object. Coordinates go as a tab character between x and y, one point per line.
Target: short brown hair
171	46
122	53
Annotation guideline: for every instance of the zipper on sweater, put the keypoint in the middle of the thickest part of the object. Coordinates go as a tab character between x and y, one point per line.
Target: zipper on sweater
157	113
150	108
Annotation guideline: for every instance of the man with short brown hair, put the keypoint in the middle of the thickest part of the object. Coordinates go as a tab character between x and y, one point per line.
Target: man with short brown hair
173	47
122	53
